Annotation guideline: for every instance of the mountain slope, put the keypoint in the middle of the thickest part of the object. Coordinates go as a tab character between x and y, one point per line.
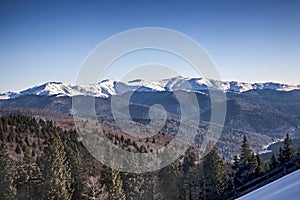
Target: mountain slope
107	88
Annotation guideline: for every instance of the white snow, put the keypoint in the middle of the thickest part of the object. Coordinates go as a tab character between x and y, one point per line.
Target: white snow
107	88
285	188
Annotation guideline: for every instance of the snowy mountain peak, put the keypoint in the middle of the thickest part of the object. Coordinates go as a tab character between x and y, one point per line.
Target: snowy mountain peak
107	88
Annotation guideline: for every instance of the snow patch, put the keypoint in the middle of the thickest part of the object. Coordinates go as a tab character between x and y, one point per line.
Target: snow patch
107	88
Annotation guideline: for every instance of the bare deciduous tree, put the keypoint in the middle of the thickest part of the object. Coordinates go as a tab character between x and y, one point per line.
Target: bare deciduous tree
93	189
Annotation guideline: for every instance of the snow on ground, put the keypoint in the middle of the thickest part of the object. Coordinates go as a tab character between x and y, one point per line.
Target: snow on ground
107	88
285	188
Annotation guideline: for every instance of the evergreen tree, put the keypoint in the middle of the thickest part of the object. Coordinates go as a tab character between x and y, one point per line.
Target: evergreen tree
288	150
133	185
246	152
235	163
116	192
260	169
253	165
7	174
229	175
280	156
186	166
133	182
74	158
188	161
29	178
214	173
168	181
58	176
246	163
273	162
235	168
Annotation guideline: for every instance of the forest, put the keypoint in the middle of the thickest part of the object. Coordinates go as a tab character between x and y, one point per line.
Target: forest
40	160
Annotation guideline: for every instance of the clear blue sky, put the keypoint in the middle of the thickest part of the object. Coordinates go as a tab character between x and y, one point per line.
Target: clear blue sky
252	41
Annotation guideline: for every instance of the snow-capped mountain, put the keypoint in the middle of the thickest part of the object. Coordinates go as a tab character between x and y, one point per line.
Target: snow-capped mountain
108	88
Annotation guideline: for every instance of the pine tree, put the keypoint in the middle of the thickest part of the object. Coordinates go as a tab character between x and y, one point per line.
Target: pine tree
168	181
214	173
133	185
188	161
58	176
260	169
253	165
74	159
280	156
116	192
7	175
235	163
246	163
246	152
273	162
133	182
29	178
288	150
235	168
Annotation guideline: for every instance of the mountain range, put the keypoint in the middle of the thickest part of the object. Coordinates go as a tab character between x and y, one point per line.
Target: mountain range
264	112
107	88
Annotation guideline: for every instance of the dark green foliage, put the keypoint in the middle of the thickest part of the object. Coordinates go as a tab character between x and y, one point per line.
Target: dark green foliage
235	163
56	166
214	176
10	138
273	163
29	181
116	190
7	174
18	149
280	156
188	161
72	147
252	166
246	163
246	152
58	175
133	182
288	150
133	185
248	166
260	167
169	186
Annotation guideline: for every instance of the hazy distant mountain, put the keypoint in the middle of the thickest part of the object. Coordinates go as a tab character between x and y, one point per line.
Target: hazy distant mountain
269	108
262	111
109	88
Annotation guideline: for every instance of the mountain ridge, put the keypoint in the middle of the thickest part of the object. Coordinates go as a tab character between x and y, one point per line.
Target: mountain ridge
107	88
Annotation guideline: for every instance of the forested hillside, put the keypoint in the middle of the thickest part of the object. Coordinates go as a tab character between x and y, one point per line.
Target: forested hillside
39	160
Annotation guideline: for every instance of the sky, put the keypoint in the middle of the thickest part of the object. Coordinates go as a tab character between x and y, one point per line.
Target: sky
248	40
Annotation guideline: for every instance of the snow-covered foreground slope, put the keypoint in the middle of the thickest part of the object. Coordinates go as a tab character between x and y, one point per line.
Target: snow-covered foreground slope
286	188
108	88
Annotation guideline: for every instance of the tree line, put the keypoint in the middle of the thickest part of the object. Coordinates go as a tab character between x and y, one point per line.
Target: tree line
39	160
